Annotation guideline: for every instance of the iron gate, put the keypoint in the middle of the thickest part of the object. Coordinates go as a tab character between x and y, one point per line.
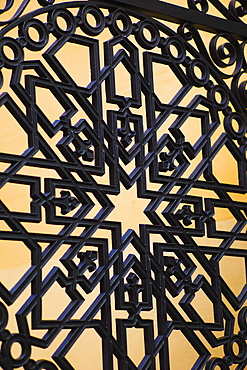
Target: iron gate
160	142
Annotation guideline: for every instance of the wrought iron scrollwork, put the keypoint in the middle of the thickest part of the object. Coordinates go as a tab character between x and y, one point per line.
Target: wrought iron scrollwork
87	158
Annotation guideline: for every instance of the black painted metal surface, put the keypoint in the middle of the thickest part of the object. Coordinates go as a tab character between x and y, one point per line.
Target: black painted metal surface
95	144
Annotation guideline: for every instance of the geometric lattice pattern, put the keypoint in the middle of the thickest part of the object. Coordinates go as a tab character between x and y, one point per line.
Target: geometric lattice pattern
163	143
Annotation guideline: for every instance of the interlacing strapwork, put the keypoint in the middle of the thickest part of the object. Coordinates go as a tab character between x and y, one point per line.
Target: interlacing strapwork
123	180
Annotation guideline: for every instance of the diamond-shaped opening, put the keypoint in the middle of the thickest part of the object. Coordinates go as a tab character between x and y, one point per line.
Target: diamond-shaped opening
78	231
54	302
75	58
76	176
16	197
135	344
225	167
111	272
15	259
146	150
89	348
233	271
14	139
122	81
166	84
106	143
175	189
182	354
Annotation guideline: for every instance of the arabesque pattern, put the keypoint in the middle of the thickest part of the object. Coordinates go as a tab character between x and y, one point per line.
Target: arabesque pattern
109	134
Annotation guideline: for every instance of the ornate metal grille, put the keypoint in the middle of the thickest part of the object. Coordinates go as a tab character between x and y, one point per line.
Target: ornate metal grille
103	140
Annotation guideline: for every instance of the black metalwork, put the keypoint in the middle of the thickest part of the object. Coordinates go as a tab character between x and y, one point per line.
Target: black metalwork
85	151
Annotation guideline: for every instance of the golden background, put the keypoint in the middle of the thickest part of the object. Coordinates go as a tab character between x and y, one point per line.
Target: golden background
15	258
